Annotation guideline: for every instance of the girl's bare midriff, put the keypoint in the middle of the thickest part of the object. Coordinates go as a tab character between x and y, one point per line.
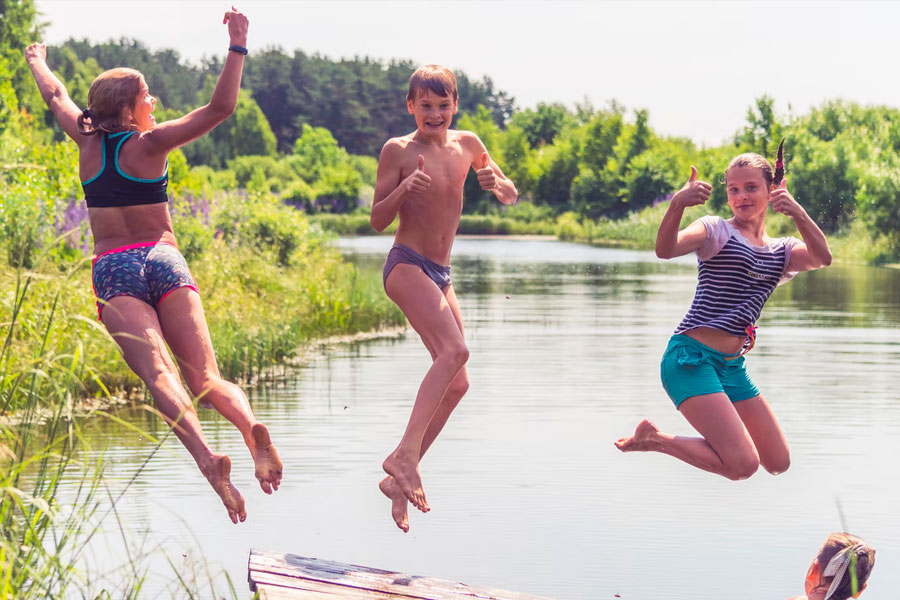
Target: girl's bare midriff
114	227
717	339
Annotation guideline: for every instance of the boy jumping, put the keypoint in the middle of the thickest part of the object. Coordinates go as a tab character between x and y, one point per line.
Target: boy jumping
421	177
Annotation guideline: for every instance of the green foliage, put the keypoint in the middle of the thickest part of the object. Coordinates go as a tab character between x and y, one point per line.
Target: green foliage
541	126
361	101
245	133
482	124
316	149
170	79
336	181
763	132
18	29
557	168
599	164
568	227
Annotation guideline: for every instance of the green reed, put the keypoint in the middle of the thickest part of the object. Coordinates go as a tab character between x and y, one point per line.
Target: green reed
43	536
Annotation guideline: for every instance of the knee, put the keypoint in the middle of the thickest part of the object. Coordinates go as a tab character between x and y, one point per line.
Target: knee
457	354
743	468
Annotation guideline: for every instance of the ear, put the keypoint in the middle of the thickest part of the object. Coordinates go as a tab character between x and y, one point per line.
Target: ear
409	106
455	106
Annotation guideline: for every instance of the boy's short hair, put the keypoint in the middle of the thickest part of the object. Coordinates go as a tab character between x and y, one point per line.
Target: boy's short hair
436	78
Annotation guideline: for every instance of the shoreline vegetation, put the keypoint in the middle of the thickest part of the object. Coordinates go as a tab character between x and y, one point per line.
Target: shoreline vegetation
636	231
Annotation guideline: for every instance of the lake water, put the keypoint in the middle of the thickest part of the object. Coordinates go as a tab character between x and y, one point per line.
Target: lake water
527	490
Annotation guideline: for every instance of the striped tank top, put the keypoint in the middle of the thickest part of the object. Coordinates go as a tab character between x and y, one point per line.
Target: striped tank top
735	278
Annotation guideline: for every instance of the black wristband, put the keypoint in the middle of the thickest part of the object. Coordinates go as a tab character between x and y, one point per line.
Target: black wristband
238	49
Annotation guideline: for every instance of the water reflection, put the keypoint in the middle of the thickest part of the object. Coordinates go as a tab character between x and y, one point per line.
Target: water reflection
528	492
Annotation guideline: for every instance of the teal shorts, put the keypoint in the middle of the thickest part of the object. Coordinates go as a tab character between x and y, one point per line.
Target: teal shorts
689	368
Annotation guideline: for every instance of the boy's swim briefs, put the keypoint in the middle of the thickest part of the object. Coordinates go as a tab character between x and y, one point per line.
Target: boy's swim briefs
689	368
399	253
147	271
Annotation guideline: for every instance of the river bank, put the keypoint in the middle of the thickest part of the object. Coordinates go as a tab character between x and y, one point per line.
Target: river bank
636	231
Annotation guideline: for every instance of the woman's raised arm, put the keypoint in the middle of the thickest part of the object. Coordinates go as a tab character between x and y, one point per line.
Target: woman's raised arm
171	134
53	91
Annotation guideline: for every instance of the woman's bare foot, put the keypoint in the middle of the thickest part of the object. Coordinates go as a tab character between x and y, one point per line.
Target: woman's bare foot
643	440
218	473
265	457
398	500
405	471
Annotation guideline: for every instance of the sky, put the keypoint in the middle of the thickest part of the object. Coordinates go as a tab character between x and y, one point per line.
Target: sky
696	66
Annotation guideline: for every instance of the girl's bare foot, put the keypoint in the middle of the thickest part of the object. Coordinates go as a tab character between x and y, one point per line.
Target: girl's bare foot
265	457
218	473
390	489
644	438
405	471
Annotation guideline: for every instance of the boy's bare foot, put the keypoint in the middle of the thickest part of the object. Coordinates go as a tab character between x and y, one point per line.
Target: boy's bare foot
405	472
218	473
265	457
644	438
398	500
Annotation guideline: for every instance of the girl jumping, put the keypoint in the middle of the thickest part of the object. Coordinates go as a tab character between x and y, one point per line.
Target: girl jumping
703	367
147	297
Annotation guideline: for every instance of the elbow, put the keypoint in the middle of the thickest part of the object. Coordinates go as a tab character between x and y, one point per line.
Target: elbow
663	252
376	224
826	259
222	110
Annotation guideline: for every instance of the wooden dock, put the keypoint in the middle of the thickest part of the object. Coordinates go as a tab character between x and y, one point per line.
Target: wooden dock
277	576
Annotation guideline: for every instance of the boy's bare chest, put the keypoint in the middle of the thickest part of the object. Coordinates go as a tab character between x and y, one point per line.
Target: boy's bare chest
447	169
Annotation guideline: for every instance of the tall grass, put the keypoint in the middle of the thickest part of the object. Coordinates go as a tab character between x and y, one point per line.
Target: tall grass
43	537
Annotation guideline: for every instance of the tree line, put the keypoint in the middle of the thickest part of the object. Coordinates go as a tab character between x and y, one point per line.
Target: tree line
308	129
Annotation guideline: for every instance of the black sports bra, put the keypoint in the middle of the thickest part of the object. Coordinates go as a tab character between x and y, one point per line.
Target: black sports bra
112	187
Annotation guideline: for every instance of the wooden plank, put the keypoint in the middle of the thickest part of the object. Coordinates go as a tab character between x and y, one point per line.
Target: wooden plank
365	578
325	579
318	589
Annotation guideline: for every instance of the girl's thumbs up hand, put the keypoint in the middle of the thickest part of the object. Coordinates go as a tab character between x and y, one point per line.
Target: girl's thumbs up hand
693	193
783	202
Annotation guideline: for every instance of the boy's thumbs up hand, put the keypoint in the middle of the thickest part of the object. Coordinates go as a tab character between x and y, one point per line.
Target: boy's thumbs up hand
487	179
694	192
418	181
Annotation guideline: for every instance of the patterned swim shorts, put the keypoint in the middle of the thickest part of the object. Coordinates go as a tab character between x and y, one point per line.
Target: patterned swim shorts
148	271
